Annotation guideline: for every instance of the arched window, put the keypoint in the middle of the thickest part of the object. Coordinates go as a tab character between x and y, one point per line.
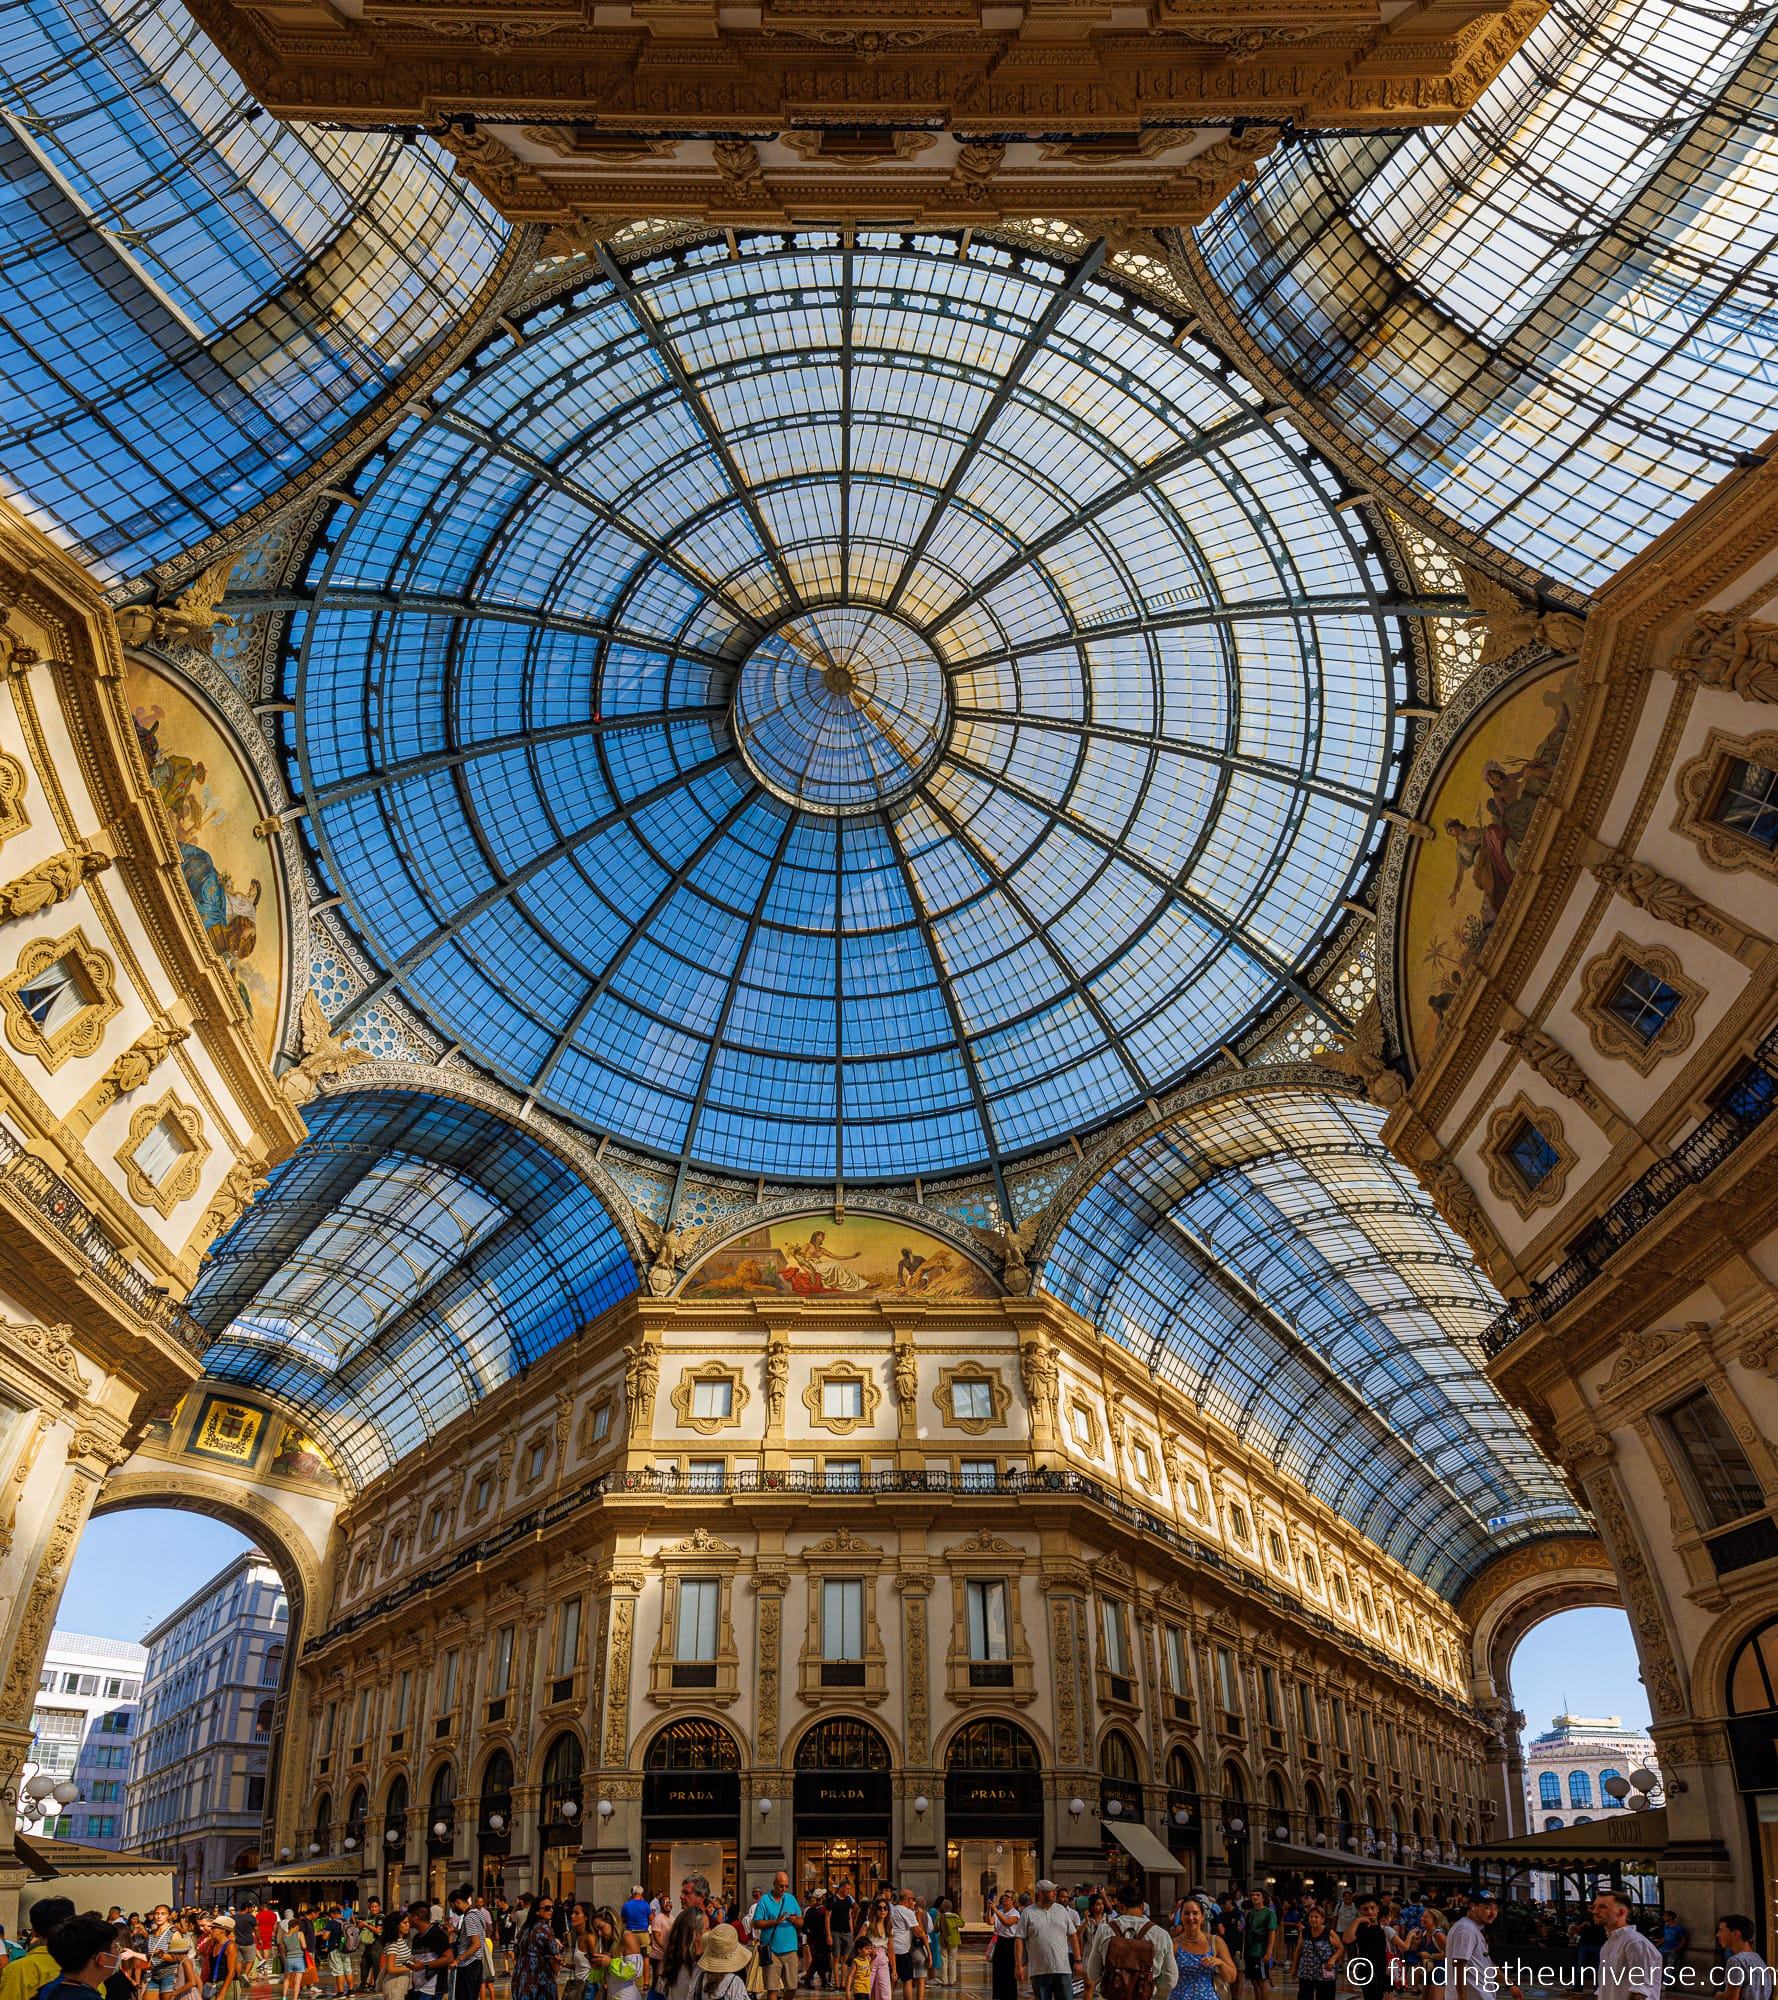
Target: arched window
1580	1789
441	1805
692	1746
562	1766
395	1814
323	1835
1753	1673
1605	1798
271	1668
1549	1789
262	1718
1181	1778
1583	1819
357	1812
1117	1759
1552	1824
842	1743
992	1745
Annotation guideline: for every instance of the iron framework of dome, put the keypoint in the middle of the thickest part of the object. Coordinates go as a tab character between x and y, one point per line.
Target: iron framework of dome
844	711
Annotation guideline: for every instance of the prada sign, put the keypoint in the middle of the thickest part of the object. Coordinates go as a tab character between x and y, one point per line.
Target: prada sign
992	1796
847	1797
693	1800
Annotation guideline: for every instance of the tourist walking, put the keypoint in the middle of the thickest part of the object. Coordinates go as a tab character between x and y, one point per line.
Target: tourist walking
1003	1947
1744	1971
1315	1964
777	1921
1116	1967
535	1954
1199	1958
395	1960
1629	1963
873	1954
1047	1953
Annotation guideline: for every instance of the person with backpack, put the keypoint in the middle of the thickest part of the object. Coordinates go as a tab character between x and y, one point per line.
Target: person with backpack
1132	1957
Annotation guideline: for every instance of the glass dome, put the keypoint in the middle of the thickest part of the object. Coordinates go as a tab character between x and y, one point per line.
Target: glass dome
844	711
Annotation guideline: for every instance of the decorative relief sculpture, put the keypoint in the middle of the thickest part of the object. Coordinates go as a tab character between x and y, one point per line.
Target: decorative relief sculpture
324	1056
1739	655
49	883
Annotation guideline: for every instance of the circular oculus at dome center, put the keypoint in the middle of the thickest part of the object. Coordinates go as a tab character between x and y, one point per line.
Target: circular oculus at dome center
844	711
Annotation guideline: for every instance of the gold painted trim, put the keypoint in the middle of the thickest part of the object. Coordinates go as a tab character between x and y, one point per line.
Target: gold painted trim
83	1034
183	1176
14	782
999	1395
1699	784
841	1371
1504	1178
1600	978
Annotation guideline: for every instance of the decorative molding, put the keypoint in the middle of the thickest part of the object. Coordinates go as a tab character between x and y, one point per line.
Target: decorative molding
49	883
79	1036
182	1177
1503	1177
136	1065
1699	784
999	1396
710	1371
14	782
1600	978
1670	902
617	1709
842	1371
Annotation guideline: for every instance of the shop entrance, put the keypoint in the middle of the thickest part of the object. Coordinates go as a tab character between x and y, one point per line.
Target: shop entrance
558	1815
441	1819
1753	1744
843	1808
993	1815
691	1808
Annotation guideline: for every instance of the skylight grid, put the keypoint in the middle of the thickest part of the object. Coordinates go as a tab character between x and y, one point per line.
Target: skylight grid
597	881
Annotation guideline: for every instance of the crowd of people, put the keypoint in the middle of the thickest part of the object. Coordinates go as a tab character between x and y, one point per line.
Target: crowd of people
889	1944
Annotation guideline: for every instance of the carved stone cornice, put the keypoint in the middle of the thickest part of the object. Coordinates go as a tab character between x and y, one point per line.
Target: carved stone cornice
806	115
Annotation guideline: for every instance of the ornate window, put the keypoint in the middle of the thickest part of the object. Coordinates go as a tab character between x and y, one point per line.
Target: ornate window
1637	1003
843	1656
1527	1156
59	999
841	1398
1723	1478
695	1651
1084	1424
164	1154
972	1398
710	1398
1728	801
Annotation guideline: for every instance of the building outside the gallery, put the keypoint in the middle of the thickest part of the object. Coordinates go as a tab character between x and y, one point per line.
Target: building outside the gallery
83	1731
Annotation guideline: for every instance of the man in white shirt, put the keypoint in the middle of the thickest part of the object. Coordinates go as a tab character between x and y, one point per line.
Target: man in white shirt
1629	1963
907	1935
1745	1973
1045	1950
1469	1965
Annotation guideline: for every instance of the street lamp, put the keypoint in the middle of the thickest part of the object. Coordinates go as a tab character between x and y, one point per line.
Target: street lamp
571	1809
606	1809
1076	1807
922	1805
440	1828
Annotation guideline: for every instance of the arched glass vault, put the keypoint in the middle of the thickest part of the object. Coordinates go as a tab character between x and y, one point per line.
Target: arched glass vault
413	1256
1558	318
196	299
845	710
1267	1257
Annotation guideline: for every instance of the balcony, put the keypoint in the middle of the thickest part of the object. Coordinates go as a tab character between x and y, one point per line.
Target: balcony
990	1673
842	1673
693	1674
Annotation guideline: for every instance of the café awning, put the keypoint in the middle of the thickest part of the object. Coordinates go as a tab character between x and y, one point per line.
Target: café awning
1336	1860
1632	1840
1142	1846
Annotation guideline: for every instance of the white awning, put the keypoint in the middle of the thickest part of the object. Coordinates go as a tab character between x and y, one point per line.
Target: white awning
1143	1848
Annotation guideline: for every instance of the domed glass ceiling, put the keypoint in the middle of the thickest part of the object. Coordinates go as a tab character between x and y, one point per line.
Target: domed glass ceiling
844	711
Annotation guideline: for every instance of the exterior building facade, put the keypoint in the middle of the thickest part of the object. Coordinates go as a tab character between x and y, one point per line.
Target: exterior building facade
209	1694
83	1729
1567	1768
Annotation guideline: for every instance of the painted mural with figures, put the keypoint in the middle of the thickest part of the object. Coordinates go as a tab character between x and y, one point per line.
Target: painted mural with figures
825	1256
213	806
1480	812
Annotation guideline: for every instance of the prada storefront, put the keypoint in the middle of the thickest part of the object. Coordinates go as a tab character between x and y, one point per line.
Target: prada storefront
993	1815
691	1808
843	1808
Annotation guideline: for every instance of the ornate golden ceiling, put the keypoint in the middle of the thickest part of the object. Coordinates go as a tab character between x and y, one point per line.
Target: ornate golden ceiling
939	111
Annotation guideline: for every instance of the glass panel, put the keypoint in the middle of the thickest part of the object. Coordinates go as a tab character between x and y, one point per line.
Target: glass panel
1551	316
699	1598
615	821
842	1399
1643	1002
55	995
712	1399
197	299
1748	801
986	1604
1726	1482
842	1618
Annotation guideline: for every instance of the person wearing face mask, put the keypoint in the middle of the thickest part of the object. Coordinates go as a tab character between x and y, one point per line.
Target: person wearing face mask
85	1949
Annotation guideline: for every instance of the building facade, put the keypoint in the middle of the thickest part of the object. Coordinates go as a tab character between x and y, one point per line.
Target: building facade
198	1782
83	1730
937	1593
1568	1768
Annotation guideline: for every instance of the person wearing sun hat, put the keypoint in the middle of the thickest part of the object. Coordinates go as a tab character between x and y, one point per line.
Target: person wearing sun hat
723	1963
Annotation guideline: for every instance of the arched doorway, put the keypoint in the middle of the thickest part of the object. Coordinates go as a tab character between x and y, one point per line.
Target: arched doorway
1753	1746
441	1830
691	1807
1185	1812
993	1813
559	1809
493	1821
843	1807
395	1805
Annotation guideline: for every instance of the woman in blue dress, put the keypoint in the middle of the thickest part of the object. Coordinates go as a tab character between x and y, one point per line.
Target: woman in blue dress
1202	1960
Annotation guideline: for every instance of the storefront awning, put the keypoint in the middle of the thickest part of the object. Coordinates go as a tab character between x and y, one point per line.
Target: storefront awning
1331	1860
1143	1847
1625	1840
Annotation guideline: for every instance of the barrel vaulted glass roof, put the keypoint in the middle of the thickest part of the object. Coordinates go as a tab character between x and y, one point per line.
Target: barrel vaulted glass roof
844	711
414	1255
1271	1261
194	300
1559	317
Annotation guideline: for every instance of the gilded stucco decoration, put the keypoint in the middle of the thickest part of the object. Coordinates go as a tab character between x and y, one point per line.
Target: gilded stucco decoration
92	985
1611	1035
163	1185
1507	1126
1700	783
